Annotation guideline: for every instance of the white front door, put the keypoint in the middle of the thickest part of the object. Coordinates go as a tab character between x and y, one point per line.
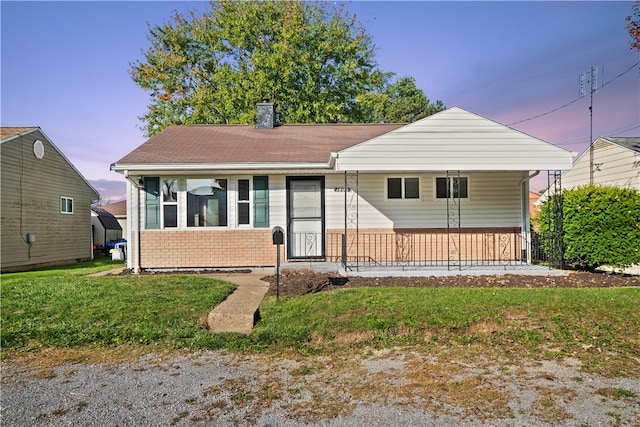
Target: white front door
306	217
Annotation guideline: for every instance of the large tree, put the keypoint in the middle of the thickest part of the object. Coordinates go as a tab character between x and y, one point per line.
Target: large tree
313	60
634	26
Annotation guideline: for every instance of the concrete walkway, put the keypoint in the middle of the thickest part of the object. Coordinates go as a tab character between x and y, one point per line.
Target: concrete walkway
239	311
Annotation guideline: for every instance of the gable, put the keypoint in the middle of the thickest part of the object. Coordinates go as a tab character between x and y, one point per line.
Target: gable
454	139
13	143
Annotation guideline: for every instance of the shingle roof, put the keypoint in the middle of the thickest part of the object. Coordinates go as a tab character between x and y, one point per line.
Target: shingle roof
246	143
630	143
108	221
117	208
7	132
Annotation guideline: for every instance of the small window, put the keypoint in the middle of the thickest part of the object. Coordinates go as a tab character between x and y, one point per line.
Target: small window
170	203
244	202
403	188
66	205
446	187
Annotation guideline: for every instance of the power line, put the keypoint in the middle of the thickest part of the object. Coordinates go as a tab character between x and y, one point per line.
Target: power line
575	100
624	128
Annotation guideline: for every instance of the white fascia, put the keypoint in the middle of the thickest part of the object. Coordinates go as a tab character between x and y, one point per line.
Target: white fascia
207	167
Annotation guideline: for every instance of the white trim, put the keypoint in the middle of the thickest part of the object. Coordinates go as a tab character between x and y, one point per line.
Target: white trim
66	198
435	187
402	188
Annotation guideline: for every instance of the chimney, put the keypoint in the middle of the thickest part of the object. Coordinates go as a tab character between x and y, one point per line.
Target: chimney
266	116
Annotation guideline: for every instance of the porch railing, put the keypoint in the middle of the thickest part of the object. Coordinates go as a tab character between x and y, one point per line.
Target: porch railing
429	249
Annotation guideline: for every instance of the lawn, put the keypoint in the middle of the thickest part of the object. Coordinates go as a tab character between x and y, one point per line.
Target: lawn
62	308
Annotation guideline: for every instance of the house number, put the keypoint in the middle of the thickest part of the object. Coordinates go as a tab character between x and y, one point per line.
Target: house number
340	189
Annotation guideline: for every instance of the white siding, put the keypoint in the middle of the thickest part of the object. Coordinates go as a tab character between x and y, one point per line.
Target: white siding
494	201
616	166
454	139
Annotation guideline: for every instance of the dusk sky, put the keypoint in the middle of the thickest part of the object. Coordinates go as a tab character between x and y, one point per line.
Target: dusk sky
65	68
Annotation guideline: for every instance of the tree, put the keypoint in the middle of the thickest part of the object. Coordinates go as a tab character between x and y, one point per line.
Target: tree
601	226
313	60
634	26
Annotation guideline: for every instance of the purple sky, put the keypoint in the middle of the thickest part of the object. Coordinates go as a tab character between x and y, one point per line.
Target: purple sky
65	68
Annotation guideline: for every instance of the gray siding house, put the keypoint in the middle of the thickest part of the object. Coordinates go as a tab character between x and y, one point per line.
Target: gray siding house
46	203
450	188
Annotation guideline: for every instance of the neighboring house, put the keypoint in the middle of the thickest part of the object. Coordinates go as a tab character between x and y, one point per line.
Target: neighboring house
616	162
451	187
105	227
534	196
46	203
118	210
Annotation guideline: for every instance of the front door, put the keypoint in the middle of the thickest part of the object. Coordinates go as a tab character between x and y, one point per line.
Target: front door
305	212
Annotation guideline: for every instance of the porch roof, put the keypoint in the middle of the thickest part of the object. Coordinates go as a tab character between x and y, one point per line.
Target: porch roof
454	139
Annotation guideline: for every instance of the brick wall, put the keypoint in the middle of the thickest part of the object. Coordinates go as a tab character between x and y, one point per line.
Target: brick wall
207	248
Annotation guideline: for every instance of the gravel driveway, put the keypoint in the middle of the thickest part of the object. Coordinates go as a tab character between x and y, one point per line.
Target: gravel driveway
378	388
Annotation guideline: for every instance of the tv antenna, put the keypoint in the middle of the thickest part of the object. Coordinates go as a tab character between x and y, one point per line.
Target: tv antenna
589	81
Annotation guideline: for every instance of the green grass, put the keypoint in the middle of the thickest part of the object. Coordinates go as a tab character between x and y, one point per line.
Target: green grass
61	307
64	308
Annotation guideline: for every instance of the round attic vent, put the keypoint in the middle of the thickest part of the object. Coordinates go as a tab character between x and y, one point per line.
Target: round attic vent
38	149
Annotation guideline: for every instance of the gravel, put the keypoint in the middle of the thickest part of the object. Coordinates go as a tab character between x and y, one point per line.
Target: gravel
377	388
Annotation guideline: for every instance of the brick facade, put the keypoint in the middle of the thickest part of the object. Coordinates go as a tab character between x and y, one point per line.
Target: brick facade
207	248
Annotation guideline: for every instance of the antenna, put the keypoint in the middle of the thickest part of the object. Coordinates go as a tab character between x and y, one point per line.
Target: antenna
590	80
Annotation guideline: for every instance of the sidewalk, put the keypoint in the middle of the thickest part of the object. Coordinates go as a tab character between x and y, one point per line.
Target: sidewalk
239	311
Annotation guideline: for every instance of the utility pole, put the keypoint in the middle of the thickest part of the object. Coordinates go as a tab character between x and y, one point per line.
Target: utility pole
591	79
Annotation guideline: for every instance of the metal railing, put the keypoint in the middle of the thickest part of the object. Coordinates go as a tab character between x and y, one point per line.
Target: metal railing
417	249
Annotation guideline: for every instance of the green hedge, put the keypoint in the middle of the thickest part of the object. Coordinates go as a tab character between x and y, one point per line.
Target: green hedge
601	226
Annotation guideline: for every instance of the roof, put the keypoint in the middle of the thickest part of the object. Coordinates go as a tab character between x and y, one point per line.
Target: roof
630	143
108	221
247	144
117	208
8	132
454	139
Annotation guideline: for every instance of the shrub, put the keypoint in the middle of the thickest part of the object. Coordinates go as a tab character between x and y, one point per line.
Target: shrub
600	224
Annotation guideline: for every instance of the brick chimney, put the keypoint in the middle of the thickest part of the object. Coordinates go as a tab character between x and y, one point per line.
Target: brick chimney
266	115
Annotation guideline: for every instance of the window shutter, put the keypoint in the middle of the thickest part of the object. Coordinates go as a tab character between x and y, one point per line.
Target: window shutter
152	203
261	201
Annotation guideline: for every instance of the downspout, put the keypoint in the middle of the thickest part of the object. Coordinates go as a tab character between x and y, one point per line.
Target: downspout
136	186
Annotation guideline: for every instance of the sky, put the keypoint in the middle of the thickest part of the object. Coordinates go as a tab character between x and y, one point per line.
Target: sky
65	67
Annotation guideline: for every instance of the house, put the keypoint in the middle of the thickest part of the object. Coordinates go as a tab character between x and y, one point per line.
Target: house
450	188
105	228
616	162
119	211
46	203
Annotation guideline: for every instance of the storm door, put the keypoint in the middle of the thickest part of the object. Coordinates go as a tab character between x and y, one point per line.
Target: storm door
305	212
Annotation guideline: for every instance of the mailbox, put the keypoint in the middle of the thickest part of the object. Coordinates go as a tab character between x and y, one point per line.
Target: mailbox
278	235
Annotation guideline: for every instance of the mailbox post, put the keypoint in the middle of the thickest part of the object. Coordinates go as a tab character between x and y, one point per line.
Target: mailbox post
278	239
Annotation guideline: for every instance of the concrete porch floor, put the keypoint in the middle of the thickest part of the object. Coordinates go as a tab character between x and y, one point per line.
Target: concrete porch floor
411	271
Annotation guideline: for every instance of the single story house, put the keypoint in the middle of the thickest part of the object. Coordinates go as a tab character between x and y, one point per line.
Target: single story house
46	203
452	187
105	228
615	160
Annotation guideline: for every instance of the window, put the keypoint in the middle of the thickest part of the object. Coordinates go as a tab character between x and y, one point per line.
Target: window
170	203
458	187
206	202
244	202
66	205
403	188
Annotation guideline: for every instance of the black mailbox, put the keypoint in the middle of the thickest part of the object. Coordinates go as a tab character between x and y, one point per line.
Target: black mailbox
278	235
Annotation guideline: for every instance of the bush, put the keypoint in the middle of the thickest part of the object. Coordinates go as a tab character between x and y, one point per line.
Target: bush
601	226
